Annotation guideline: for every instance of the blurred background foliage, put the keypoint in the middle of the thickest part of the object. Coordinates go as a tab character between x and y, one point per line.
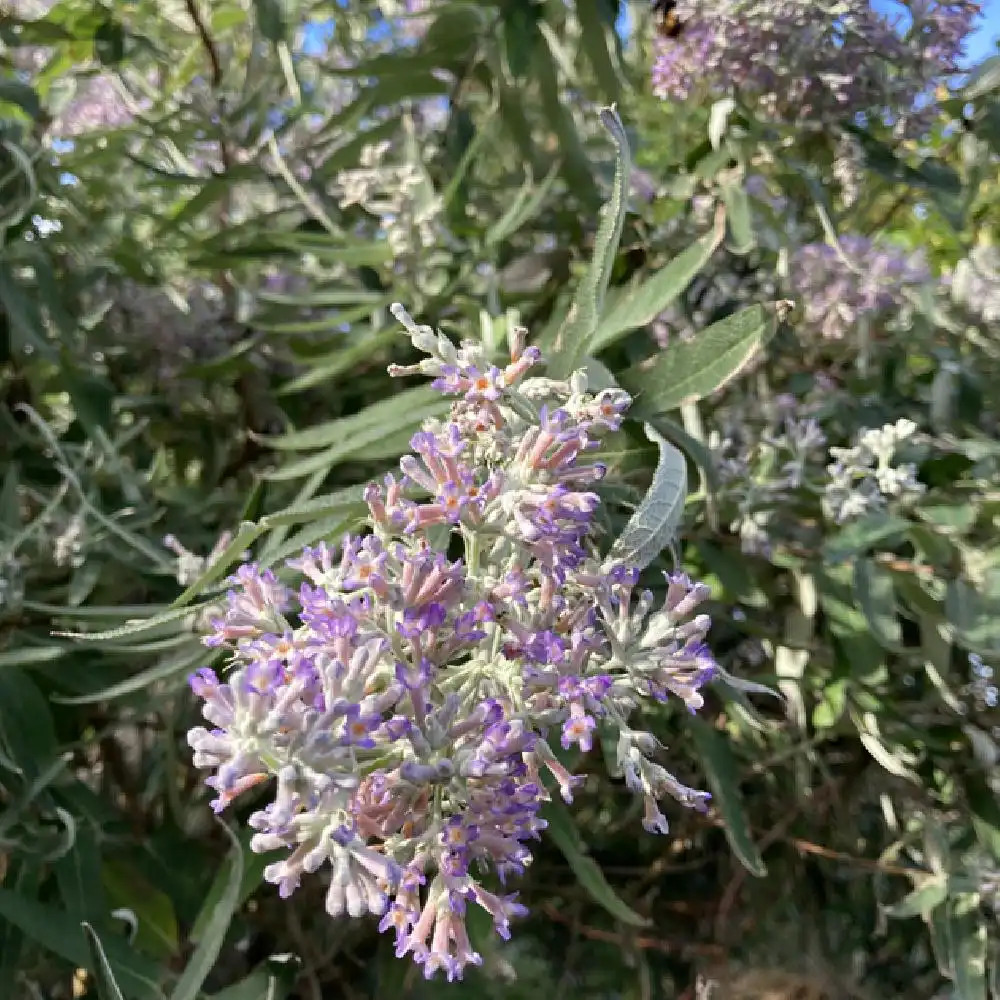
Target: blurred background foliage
205	211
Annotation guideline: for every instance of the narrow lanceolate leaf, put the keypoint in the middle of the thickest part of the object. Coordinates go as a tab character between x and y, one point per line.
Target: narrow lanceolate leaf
921	900
641	303
563	833
741	233
398	410
968	947
598	42
877	597
654	524
231	554
526	204
575	336
690	370
107	985
723	779
54	930
863	534
135	627
202	961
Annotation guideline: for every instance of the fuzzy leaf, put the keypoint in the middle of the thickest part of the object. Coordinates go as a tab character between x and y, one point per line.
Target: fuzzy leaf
563	833
654	524
690	370
723	779
639	304
577	332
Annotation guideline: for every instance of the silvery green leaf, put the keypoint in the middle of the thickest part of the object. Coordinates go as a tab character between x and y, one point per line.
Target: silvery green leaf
748	687
107	985
653	526
577	332
718	118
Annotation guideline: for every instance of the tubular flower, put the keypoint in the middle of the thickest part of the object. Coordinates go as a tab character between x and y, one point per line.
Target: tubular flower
404	702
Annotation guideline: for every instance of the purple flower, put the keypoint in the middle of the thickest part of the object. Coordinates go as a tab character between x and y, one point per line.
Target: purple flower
398	704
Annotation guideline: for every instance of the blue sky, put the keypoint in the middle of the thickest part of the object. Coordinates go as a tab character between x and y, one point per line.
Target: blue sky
982	44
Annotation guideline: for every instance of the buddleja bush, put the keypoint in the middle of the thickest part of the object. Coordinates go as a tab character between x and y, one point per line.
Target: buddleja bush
216	206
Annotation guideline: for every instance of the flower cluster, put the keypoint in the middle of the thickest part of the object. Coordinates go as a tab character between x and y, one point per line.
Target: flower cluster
863	477
809	62
760	472
412	700
862	279
399	196
975	283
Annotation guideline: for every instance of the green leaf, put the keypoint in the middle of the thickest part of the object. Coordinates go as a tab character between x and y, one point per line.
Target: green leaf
564	834
403	409
738	216
983	79
699	453
271	19
29	656
653	526
525	206
599	41
690	370
136	626
877	597
867	727
213	935
830	709
107	985
975	614
175	667
574	338
273	980
251	876
340	502
968	947
722	773
640	303
59	933
329	366
985	810
26	327
21	94
863	534
27	731
78	873
157	933
229	556
921	900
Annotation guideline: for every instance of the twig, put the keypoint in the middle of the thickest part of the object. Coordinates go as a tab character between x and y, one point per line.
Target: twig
683	948
207	41
807	847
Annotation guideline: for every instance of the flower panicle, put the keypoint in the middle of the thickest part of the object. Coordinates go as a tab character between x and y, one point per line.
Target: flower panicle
408	701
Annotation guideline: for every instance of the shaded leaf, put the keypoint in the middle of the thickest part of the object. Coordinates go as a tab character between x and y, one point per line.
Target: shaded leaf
877	597
722	773
863	534
564	834
921	900
220	913
59	933
107	985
